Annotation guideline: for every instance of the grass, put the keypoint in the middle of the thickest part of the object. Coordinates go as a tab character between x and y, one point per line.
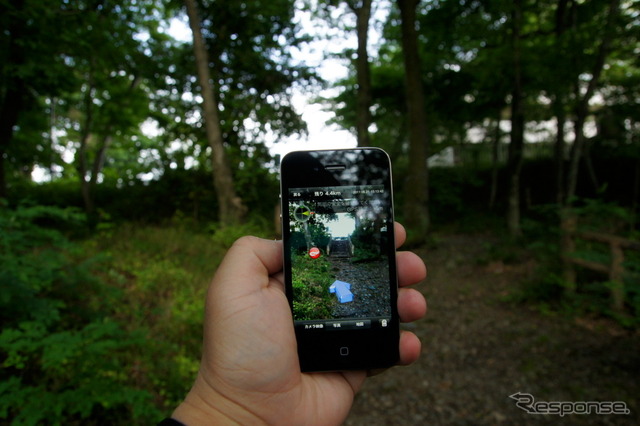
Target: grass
311	281
160	275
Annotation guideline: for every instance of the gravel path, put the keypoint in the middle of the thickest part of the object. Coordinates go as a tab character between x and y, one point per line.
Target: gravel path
479	350
369	286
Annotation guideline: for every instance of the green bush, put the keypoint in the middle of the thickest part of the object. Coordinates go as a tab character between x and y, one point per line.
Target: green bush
312	278
592	296
225	236
64	358
367	242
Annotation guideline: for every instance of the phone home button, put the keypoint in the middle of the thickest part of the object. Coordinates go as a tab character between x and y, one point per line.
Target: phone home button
344	351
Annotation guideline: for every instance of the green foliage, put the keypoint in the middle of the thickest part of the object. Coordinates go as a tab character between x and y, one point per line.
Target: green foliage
63	357
317	233
598	215
109	327
72	374
225	236
185	194
33	260
163	274
367	243
452	190
311	297
546	288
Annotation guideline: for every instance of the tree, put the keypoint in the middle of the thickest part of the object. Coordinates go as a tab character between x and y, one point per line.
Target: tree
514	165
110	100
416	209
252	74
230	206
581	109
362	10
361	107
32	66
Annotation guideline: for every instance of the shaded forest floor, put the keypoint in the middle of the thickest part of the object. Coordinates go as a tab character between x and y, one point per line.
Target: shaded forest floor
479	349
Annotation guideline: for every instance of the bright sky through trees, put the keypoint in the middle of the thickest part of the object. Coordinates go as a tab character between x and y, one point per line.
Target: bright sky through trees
328	41
343	226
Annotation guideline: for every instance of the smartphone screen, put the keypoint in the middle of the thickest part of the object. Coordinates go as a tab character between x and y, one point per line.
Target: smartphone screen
339	266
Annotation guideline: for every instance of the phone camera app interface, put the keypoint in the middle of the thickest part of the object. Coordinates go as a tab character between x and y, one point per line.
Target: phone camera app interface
339	257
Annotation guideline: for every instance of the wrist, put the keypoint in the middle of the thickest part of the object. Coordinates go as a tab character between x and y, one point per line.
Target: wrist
205	406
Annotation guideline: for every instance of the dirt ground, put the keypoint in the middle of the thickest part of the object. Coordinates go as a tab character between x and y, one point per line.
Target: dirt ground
478	350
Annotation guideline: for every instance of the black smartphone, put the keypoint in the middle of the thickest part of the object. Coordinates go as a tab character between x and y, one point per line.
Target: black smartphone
340	259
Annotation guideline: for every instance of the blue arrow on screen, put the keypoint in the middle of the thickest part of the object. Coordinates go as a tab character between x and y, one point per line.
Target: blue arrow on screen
342	291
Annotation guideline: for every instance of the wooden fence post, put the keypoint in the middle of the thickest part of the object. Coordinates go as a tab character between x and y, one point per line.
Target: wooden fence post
615	269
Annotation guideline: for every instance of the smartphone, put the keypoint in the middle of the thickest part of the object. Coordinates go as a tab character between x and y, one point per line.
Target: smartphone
339	258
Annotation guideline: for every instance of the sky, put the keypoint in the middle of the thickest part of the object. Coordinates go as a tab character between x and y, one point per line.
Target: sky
320	134
316	55
343	226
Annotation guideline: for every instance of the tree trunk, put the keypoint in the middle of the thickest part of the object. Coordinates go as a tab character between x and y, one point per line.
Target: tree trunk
13	90
635	192
562	23
588	164
53	139
231	210
559	148
82	154
363	112
9	112
568	219
416	211
495	146
517	126
107	138
582	107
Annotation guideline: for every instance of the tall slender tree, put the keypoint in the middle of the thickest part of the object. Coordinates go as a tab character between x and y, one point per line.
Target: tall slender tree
584	95
514	165
230	206
362	10
416	208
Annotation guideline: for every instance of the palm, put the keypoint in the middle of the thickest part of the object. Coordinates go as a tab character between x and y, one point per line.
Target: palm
250	371
265	366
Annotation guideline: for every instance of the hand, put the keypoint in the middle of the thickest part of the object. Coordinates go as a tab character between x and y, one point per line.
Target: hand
249	373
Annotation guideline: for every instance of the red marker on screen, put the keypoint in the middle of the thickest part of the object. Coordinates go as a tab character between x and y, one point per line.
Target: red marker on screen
314	253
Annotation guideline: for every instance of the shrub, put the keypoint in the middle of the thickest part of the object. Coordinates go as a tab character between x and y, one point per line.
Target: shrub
312	278
63	357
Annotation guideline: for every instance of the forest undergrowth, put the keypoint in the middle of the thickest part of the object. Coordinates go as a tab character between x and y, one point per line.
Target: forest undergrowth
109	325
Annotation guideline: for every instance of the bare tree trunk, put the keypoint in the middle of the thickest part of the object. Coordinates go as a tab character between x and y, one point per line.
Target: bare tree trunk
416	208
230	207
362	10
517	126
